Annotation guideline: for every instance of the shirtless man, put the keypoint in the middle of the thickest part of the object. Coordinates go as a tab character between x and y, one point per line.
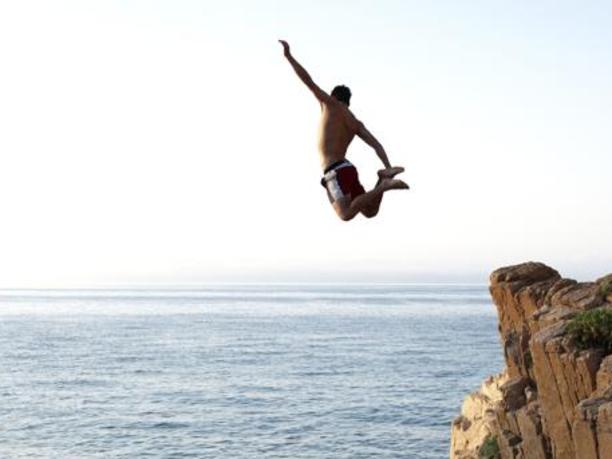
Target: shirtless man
338	128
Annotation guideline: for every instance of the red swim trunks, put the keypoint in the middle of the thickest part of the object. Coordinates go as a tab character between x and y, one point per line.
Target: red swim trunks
342	180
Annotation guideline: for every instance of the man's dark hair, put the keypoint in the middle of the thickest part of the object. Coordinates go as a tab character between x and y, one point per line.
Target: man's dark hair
342	93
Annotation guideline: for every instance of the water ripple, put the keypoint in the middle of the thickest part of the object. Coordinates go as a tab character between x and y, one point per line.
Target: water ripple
283	372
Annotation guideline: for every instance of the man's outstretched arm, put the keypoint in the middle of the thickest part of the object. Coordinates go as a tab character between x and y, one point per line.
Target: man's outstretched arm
321	95
368	138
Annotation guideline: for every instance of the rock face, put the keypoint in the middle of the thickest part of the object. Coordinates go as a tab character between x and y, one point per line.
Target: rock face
475	424
553	401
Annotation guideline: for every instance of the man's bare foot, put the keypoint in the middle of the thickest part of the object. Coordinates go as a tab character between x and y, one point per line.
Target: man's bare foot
393	184
390	172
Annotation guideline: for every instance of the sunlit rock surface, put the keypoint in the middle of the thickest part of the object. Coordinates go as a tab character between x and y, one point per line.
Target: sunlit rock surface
552	400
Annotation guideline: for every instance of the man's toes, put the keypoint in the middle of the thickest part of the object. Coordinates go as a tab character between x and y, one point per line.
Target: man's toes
402	185
395	184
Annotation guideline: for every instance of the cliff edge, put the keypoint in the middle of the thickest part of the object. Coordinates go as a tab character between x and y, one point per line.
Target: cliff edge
554	398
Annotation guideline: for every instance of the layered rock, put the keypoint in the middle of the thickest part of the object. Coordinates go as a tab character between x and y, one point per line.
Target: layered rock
557	400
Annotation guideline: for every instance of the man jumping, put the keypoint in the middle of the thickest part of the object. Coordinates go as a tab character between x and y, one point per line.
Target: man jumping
338	128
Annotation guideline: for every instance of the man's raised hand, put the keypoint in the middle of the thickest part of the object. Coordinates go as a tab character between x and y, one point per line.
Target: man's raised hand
286	50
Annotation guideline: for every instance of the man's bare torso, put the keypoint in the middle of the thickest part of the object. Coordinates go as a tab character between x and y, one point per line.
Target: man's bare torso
336	131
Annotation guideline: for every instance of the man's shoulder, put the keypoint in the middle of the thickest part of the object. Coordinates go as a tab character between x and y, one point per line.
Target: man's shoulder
351	119
339	107
330	102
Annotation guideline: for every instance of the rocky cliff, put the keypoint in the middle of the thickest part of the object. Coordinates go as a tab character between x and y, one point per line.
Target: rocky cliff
554	398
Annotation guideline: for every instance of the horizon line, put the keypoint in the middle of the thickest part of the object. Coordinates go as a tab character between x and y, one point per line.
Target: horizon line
202	285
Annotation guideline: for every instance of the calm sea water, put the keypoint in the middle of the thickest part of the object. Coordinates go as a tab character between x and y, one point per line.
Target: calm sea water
303	371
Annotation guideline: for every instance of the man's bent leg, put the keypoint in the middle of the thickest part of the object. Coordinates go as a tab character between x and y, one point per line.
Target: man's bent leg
344	210
370	207
369	203
371	210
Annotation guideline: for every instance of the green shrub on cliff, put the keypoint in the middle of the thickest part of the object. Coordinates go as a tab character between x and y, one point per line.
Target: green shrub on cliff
489	449
606	287
592	329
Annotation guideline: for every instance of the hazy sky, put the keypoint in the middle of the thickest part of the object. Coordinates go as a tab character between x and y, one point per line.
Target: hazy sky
170	142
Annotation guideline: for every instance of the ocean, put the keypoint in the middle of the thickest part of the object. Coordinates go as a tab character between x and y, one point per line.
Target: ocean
241	371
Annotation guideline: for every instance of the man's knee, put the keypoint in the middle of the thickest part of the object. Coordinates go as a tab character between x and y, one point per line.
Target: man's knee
344	212
345	215
369	213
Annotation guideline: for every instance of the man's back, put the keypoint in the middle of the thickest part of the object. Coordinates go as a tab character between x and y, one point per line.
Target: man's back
337	129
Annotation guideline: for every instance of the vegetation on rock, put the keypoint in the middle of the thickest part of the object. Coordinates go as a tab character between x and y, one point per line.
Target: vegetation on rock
606	287
592	329
489	449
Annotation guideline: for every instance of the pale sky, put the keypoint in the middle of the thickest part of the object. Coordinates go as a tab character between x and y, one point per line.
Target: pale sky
169	142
